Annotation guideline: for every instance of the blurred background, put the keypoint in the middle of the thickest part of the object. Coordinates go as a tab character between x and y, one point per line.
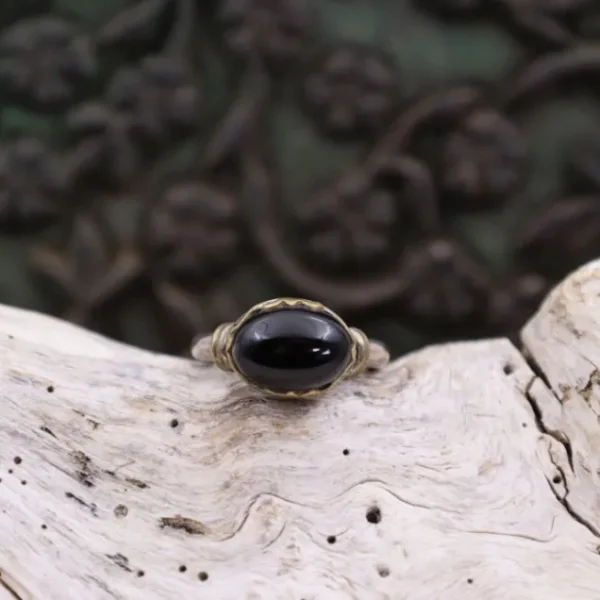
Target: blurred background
428	168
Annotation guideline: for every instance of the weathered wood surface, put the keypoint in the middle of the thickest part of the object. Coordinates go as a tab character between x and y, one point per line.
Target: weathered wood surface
454	474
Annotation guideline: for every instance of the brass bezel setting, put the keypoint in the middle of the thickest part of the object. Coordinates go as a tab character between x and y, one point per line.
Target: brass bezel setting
224	336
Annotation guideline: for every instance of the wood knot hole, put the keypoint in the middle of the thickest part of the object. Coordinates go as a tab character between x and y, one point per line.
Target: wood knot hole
383	571
373	515
508	369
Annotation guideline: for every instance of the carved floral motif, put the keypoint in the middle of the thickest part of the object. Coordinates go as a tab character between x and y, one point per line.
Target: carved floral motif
192	231
159	98
32	185
349	225
275	30
352	89
44	60
444	284
482	160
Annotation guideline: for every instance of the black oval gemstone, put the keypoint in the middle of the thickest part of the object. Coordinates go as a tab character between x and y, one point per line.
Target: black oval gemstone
292	350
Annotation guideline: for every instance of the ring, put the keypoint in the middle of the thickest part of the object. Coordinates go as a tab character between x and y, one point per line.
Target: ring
290	347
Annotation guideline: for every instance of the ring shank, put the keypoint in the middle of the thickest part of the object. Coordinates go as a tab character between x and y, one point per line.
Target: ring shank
379	356
202	350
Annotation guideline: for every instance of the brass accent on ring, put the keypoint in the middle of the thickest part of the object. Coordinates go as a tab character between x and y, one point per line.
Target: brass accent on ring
222	342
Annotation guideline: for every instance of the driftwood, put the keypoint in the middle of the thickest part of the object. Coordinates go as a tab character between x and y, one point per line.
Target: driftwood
463	471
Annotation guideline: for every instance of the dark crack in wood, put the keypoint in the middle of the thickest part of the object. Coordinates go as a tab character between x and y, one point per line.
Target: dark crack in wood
191	526
137	482
84	462
9	589
90	506
562	439
121	561
48	431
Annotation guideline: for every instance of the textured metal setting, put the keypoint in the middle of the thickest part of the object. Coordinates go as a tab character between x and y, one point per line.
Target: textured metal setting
224	336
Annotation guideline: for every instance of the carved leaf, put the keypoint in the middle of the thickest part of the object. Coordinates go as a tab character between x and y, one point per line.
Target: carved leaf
139	22
241	120
562	237
589	24
584	166
90	268
546	27
11	10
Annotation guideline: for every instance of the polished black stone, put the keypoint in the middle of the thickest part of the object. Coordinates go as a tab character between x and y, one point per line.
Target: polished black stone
291	350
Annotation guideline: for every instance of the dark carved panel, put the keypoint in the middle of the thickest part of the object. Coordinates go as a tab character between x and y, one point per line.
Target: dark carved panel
429	168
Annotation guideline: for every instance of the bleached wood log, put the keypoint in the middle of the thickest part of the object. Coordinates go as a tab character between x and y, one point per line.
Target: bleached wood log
454	474
564	341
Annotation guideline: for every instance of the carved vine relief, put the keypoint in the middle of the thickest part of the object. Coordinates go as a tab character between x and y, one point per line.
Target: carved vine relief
142	165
